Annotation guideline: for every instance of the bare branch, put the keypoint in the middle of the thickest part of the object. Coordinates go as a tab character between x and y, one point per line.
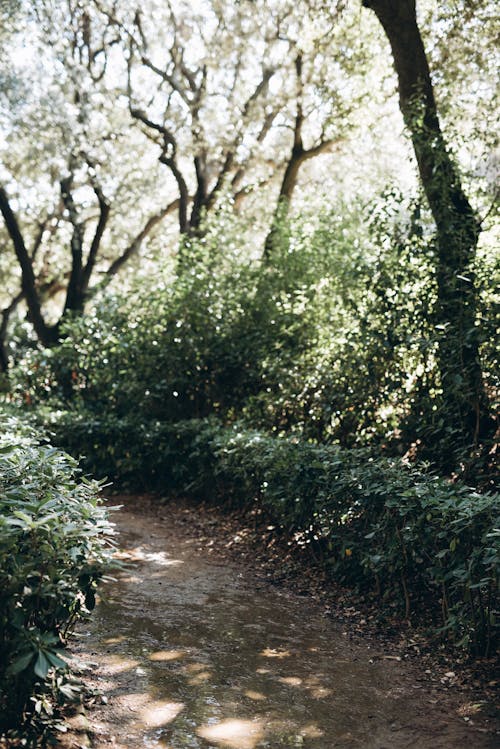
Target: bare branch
169	142
167	78
5	316
261	87
7	311
104	211
183	191
41	229
136	243
491	209
225	169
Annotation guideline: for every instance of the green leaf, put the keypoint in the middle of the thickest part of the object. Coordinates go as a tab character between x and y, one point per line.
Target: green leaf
42	665
55	660
20	664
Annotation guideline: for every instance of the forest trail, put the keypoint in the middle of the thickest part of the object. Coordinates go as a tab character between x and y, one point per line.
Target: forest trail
188	650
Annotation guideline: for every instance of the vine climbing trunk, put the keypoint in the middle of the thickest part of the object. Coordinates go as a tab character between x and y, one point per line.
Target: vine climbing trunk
457	227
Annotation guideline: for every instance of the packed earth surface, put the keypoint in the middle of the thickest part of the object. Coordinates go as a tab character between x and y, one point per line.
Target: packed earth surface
196	646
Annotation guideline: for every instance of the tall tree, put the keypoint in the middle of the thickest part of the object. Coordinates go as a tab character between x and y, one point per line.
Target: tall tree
68	206
229	93
457	226
211	94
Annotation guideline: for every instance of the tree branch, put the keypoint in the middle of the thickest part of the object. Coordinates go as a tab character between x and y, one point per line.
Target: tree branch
74	294
168	138
46	334
5	315
136	243
262	86
104	211
225	169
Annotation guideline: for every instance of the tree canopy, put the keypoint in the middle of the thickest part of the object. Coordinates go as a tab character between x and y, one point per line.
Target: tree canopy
133	137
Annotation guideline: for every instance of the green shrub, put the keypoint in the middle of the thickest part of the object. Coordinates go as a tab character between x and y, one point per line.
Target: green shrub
413	538
54	549
226	336
203	345
331	339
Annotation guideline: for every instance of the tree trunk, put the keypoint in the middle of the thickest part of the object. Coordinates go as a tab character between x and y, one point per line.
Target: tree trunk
200	197
285	196
48	335
457	228
4	323
74	294
298	155
4	358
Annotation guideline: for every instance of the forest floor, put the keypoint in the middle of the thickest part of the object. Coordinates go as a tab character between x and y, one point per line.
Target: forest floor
215	637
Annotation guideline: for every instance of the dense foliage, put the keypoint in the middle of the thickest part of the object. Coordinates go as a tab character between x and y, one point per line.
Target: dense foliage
54	549
332	339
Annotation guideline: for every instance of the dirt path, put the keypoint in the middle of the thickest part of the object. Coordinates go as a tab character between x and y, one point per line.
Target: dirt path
191	652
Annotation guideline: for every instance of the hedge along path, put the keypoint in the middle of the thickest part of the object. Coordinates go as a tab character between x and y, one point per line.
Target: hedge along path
188	650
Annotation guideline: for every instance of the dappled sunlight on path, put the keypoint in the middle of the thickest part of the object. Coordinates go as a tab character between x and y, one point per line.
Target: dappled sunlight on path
235	734
187	653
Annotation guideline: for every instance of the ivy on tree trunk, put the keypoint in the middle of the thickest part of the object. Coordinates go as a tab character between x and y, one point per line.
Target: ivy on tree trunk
457	226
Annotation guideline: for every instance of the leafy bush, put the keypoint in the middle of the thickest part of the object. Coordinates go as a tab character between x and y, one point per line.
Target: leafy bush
410	536
331	339
224	337
200	346
54	549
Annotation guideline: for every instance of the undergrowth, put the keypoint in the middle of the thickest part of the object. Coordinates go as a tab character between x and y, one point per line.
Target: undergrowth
55	547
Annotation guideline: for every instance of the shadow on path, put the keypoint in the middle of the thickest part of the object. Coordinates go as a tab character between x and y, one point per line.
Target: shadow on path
191	654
